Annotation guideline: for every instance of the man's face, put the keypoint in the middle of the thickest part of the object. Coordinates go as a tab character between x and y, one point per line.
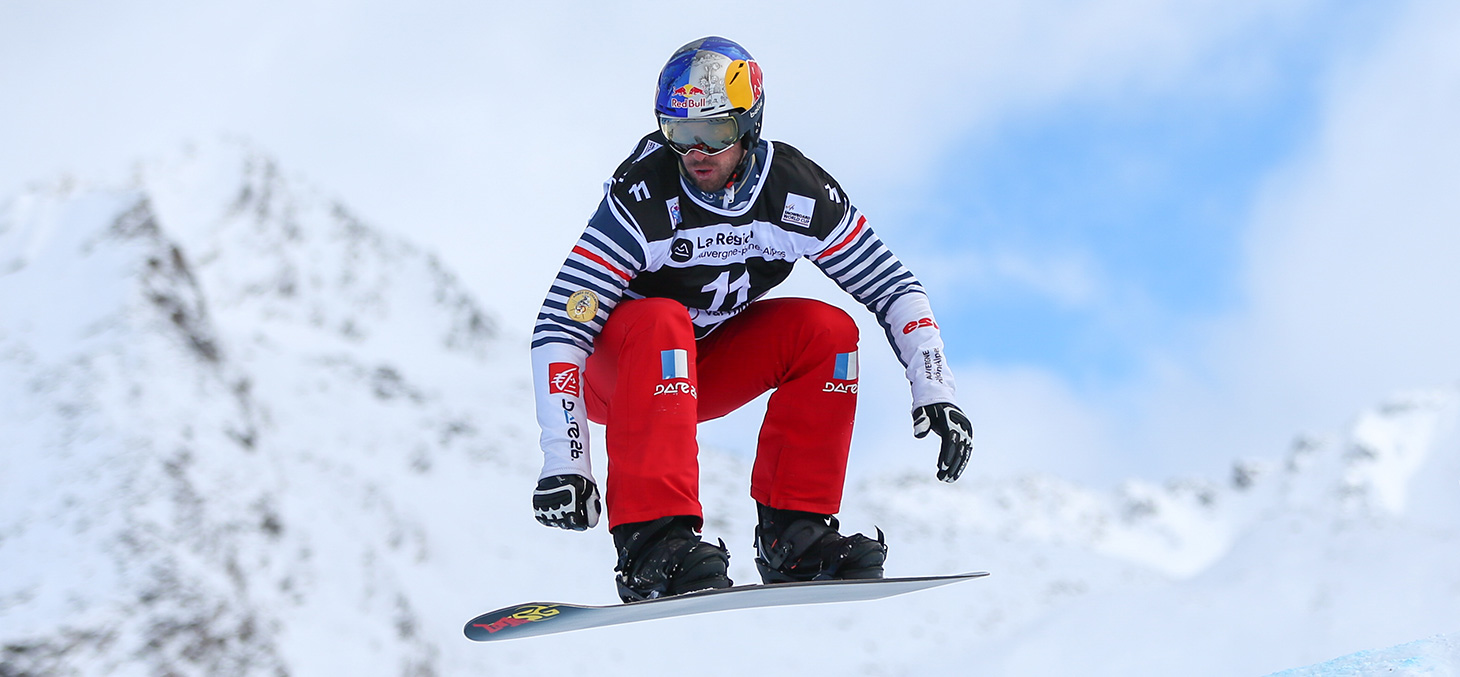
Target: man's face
710	173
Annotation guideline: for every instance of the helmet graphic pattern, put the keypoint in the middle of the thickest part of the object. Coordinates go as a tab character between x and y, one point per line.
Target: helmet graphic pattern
712	77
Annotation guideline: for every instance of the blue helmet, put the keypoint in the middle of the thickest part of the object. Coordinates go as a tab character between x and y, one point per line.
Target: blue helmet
709	97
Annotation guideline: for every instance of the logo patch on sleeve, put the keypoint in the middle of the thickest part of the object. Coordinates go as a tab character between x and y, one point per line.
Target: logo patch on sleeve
583	306
798	210
563	378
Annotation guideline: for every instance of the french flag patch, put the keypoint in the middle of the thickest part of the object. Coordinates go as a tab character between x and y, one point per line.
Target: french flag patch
846	366
675	364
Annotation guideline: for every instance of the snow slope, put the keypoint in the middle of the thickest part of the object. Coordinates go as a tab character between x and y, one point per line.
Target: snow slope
1331	562
242	432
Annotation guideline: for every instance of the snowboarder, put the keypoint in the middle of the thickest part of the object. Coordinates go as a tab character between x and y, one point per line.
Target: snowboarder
655	322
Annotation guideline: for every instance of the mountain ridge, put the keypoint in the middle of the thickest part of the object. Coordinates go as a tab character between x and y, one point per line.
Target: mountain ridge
247	433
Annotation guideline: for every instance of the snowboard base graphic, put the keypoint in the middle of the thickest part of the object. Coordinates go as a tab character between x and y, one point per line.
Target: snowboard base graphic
546	618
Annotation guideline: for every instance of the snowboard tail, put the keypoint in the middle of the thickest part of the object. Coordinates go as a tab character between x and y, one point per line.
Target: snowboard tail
546	618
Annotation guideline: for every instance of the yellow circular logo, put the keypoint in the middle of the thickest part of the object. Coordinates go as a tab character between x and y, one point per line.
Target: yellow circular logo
583	305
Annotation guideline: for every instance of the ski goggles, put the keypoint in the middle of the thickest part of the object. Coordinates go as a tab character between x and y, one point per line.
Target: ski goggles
710	136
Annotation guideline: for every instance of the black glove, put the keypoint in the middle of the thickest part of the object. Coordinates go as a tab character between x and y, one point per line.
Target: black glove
567	502
949	422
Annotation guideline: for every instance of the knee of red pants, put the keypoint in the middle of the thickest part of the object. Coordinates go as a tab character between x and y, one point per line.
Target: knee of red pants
839	326
661	320
817	326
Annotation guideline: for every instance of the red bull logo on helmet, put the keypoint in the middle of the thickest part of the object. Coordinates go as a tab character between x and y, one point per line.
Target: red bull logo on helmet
687	96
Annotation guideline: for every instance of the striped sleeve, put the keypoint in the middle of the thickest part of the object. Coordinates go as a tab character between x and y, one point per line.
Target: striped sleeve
588	286
860	264
857	260
604	260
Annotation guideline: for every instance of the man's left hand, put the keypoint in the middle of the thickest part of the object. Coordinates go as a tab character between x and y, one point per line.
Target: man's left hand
952	425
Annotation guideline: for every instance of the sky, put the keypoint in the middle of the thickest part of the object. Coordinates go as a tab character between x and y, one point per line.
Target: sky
1158	235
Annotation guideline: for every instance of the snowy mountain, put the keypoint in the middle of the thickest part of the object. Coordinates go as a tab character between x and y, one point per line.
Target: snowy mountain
243	432
1349	542
225	401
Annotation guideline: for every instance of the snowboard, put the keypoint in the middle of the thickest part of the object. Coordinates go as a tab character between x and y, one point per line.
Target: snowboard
547	618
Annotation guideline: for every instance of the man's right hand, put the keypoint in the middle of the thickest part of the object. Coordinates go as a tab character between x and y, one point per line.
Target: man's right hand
567	502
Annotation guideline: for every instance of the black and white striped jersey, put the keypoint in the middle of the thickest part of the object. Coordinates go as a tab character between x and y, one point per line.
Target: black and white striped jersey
656	235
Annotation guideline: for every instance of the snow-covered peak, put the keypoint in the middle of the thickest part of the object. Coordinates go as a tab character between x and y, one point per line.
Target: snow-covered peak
274	249
1392	444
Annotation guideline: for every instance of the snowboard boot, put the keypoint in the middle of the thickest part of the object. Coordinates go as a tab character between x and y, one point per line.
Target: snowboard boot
666	557
791	545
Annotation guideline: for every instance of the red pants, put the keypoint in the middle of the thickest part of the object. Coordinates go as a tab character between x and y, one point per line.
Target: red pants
651	383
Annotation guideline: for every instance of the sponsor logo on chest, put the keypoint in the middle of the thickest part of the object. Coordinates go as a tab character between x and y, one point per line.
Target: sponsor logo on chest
725	240
727	244
682	250
798	210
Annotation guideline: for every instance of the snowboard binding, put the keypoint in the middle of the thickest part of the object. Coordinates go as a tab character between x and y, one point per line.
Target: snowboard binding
666	557
792	545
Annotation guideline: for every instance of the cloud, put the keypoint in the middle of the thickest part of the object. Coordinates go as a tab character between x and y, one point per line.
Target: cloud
1067	279
1351	262
483	132
457	123
1354	251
